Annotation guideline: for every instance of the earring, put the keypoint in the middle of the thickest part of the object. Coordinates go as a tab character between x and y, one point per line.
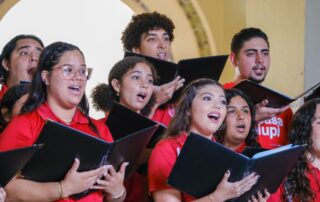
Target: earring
46	82
118	94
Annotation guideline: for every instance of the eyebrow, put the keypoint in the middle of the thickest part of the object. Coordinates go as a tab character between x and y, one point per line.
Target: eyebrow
23	47
212	94
138	71
153	34
255	50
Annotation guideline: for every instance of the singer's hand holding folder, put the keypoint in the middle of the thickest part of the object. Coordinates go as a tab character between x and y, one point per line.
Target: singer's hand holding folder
13	160
258	93
202	163
63	144
210	67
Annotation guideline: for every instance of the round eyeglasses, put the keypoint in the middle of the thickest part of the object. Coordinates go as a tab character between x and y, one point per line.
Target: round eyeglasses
69	71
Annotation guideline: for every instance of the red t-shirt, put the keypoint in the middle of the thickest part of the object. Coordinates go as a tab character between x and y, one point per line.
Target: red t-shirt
241	147
165	115
273	132
161	163
3	90
314	180
136	184
24	129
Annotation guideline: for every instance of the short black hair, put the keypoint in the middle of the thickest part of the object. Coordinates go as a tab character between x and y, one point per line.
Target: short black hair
8	49
142	23
245	35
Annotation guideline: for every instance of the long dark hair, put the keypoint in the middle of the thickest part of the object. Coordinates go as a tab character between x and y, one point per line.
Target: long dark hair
181	121
48	58
9	48
297	184
104	96
251	139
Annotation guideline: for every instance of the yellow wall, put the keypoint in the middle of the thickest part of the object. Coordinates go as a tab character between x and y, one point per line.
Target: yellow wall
283	21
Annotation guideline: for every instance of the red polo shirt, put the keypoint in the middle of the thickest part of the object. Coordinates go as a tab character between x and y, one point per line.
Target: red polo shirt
24	129
161	162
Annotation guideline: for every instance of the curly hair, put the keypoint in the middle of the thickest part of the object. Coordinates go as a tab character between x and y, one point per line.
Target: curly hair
103	95
251	139
139	24
181	121
297	184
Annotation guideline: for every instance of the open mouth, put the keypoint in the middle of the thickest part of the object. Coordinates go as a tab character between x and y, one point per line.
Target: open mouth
214	116
241	127
162	56
141	96
32	71
75	88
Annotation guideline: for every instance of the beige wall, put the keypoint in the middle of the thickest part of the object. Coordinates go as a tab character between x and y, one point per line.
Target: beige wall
283	21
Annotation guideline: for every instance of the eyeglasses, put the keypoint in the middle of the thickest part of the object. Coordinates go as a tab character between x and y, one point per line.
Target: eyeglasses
69	71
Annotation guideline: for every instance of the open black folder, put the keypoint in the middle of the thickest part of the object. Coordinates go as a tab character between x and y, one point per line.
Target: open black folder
202	163
13	160
122	121
63	144
210	67
257	93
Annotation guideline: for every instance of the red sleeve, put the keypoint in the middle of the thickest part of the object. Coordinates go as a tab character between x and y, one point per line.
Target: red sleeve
164	115
276	197
103	130
22	131
160	164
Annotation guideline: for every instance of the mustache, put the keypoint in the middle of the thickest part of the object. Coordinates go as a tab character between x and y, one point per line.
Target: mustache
258	67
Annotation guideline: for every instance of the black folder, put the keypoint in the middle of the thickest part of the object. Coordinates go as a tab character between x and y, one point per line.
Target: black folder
257	93
202	163
13	160
210	67
313	93
63	144
122	121
251	151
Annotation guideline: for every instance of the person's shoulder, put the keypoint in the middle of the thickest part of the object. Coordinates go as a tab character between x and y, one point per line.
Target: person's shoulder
229	85
170	143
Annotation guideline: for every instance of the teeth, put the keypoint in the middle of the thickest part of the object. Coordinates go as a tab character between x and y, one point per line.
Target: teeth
214	116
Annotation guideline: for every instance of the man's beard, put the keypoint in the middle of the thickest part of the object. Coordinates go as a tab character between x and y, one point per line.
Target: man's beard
256	80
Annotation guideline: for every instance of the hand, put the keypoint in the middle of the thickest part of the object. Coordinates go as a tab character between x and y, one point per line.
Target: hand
164	92
260	197
228	190
75	182
2	195
263	112
113	181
